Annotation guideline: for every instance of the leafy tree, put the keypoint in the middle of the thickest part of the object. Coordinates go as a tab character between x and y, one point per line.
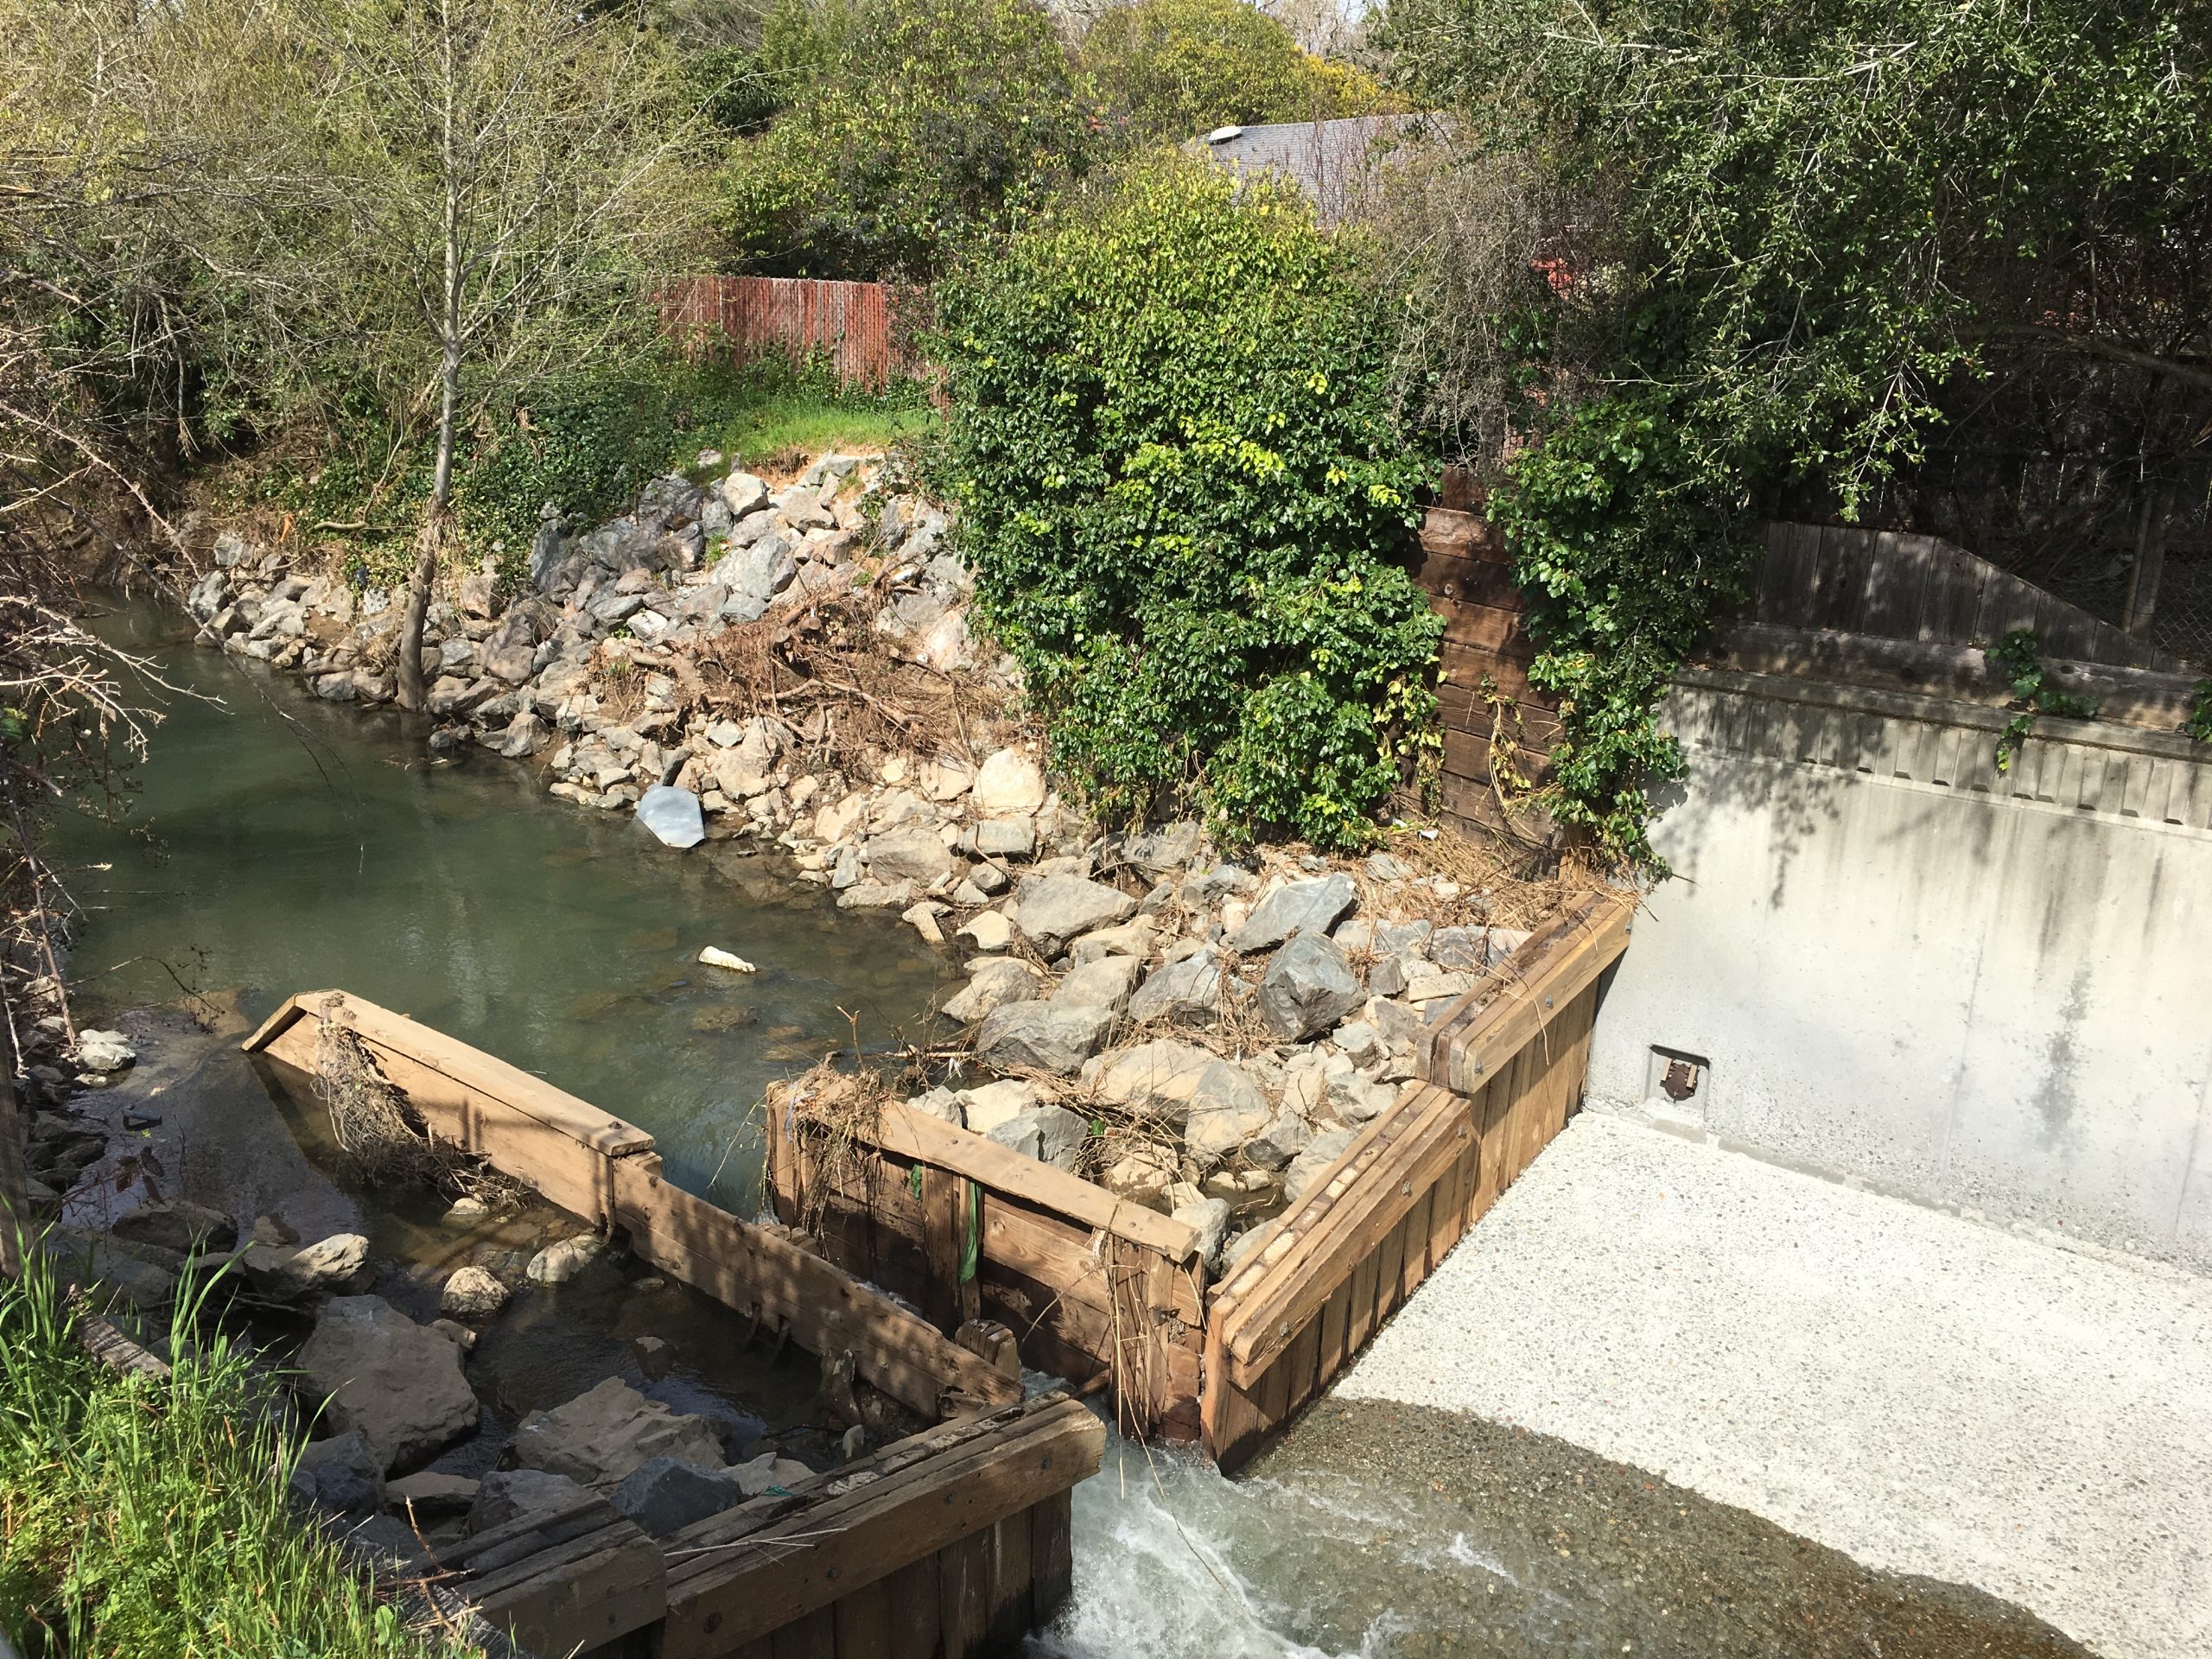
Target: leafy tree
1819	222
909	122
498	194
1172	69
1182	493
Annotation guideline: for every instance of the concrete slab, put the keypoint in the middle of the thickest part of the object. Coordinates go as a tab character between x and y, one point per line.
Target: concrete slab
1928	1394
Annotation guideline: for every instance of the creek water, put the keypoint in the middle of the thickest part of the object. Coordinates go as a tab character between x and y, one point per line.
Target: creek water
277	844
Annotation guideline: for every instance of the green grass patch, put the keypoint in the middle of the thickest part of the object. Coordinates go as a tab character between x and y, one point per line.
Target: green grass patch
140	1516
589	445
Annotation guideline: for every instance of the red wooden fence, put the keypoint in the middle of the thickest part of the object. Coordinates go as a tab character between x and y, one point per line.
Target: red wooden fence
855	324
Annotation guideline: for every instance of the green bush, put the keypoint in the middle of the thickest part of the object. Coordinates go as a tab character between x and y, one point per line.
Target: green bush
1181	492
910	123
141	1517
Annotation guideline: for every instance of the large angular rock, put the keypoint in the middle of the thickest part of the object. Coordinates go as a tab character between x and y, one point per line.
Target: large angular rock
337	1264
1211	1217
1297	906
1050	1134
1189	990
663	1494
175	1224
743	494
1041	1037
1105	983
600	1437
1009	782
1158	1077
984	1110
397	1383
560	1262
1309	986
506	1495
917	856
995	985
1060	907
1285	1136
104	1050
1169	848
1228	1108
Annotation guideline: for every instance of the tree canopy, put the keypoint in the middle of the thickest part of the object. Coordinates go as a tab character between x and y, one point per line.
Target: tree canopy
1173	69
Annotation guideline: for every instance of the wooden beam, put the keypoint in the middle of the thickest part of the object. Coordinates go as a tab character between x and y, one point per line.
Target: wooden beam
813	1556
932	1140
829	1311
1490	1024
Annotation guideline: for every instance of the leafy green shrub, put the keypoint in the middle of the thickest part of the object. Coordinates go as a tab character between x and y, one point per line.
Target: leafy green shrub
143	1516
1180	491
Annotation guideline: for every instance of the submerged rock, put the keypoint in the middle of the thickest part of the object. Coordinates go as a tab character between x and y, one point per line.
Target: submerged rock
175	1225
603	1436
397	1383
472	1294
559	1262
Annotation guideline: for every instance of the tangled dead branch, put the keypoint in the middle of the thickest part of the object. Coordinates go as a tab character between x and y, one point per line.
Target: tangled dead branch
385	1139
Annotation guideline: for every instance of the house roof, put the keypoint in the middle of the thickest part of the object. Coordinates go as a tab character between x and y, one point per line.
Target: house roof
1323	158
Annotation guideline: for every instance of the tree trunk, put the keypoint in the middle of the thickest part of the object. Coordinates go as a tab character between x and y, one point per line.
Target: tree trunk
430	546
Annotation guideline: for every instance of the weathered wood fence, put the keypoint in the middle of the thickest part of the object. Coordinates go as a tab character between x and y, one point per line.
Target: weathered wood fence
1110	1294
863	328
953	1542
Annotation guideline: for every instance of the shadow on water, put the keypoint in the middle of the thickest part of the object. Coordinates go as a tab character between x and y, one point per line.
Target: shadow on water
1396	1532
279	844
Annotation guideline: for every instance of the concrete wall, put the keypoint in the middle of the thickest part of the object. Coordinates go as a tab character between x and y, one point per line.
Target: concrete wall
1989	992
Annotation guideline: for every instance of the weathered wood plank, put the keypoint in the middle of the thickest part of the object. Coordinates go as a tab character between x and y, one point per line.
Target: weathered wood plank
1011	1590
1051	1555
963	1588
746	1267
863	1619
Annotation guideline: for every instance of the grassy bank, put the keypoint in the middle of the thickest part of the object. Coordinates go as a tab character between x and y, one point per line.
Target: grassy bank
588	445
143	1516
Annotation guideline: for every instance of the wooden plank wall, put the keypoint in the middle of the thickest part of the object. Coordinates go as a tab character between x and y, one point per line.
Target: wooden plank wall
1506	1069
1094	1288
1492	718
857	325
1895	585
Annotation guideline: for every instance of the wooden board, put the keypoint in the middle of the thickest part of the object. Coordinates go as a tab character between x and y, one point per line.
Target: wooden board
829	1312
723	1596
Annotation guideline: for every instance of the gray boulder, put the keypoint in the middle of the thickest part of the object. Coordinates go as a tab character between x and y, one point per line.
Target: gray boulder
337	1264
1211	1217
602	1436
917	856
1158	1077
1285	1136
1041	1037
1468	949
344	1474
1188	990
507	1495
996	984
1060	907
397	1383
1105	983
1227	1110
1050	1134
1169	848
1297	906
433	1494
1309	986
665	1494
175	1224
743	494
672	815
1006	837
104	1050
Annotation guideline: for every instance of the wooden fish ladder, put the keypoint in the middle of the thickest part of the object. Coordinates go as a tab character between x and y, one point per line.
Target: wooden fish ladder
1114	1296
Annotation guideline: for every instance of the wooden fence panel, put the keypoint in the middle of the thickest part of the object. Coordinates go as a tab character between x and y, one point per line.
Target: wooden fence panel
856	325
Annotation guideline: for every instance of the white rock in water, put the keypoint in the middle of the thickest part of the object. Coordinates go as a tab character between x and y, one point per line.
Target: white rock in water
104	1050
714	956
672	815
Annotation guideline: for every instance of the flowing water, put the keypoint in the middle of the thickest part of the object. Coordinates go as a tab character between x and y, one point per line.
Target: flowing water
278	845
